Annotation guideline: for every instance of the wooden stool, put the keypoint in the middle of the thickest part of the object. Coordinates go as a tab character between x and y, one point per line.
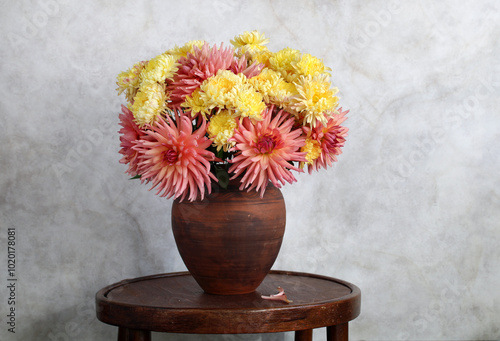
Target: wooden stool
174	303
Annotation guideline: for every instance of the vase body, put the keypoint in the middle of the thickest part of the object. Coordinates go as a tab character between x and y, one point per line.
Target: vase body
230	240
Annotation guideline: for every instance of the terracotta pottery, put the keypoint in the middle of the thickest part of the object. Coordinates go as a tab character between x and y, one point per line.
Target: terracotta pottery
230	240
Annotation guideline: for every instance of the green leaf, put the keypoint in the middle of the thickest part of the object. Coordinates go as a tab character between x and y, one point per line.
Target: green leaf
223	177
138	176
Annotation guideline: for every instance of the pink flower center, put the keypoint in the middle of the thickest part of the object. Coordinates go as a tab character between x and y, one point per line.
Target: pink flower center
266	143
332	140
170	156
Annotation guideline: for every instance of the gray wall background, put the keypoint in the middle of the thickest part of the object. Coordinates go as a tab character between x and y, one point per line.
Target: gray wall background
410	213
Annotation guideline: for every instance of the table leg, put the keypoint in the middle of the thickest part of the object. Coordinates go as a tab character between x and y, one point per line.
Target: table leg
122	334
339	332
304	335
125	334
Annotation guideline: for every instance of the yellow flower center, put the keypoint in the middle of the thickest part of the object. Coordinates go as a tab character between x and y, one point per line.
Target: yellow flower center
309	65
313	150
149	102
221	128
217	90
249	103
250	40
160	68
283	61
314	98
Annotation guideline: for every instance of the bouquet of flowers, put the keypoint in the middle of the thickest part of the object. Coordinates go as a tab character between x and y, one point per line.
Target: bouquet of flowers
201	114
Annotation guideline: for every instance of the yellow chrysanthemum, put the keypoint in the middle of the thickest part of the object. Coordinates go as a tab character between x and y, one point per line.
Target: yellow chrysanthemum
310	65
283	61
130	80
149	102
250	41
265	82
273	87
196	104
217	91
221	128
162	67
186	48
248	102
261	56
282	92
314	98
313	150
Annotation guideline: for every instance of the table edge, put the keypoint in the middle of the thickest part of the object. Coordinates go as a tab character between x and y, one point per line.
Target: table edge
351	302
101	294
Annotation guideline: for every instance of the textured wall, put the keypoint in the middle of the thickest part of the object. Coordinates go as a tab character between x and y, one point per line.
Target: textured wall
410	213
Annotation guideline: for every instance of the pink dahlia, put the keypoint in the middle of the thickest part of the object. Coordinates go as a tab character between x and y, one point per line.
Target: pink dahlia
175	158
195	68
267	149
130	134
330	139
240	65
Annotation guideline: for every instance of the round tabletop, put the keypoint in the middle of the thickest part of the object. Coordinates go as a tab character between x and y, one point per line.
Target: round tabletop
175	303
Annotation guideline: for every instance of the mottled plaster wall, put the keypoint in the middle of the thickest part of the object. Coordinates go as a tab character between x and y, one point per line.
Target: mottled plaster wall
410	213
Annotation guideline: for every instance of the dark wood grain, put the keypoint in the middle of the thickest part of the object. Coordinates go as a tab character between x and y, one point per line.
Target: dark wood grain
175	303
339	332
303	335
125	334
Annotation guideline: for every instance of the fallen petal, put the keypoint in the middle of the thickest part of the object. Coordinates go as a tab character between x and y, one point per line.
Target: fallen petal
280	296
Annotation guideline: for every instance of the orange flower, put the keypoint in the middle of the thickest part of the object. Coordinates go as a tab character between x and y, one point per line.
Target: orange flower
266	150
130	134
176	159
329	139
195	68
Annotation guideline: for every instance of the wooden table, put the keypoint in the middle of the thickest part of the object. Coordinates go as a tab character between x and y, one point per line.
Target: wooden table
175	303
